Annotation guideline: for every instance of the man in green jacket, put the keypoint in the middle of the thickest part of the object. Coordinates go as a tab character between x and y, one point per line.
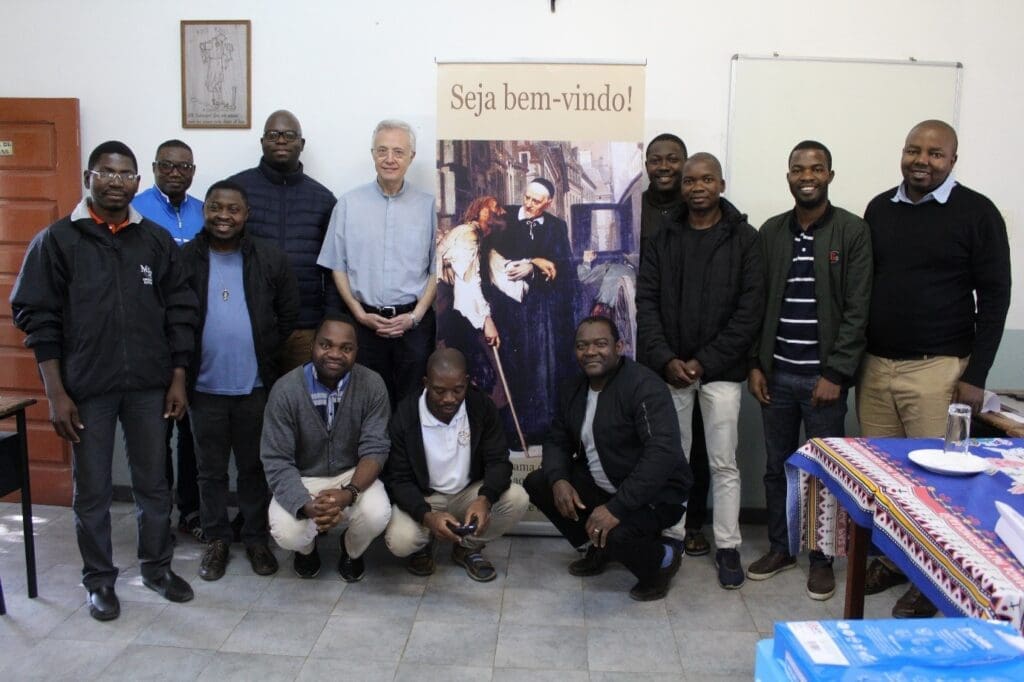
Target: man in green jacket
818	271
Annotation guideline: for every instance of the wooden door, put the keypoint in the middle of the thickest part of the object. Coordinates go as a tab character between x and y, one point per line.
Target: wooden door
40	181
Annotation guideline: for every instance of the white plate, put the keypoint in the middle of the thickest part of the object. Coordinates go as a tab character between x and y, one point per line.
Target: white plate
940	462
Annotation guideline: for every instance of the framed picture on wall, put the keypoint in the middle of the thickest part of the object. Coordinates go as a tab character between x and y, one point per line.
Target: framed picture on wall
216	74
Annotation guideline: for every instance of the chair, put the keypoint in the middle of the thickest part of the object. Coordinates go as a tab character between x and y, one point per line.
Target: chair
14	475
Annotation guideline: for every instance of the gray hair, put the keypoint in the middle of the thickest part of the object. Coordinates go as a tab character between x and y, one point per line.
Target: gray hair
395	124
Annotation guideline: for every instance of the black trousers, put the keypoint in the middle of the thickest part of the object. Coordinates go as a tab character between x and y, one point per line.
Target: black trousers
635	543
222	424
187	489
401	362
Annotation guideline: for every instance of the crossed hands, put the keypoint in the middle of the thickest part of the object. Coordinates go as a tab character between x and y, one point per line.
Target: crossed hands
326	509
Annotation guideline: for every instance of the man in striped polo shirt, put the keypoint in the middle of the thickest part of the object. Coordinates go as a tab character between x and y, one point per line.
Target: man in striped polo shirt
818	272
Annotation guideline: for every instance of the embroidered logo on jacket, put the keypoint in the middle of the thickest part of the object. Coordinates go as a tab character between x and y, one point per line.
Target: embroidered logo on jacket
833	257
147	274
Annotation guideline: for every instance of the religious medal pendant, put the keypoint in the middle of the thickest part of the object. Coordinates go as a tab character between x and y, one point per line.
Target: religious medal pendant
225	294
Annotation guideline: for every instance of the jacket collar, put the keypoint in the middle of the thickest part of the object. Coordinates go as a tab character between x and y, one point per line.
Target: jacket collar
276	177
81	212
731	216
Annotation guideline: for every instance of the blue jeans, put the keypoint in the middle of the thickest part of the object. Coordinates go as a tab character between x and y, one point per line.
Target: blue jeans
791	404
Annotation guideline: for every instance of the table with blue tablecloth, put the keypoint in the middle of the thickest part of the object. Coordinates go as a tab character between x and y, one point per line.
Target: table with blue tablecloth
938	529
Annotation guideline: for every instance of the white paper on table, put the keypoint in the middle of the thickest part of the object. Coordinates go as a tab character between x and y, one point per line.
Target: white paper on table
1011	408
991	402
1010	529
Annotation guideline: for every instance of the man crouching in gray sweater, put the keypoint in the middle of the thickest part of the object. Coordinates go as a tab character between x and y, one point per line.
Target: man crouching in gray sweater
324	444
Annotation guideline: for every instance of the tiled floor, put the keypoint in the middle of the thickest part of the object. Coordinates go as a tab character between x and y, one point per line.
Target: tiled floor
535	622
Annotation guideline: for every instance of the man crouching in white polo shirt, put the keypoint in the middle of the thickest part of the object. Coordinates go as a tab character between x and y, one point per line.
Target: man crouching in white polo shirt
448	474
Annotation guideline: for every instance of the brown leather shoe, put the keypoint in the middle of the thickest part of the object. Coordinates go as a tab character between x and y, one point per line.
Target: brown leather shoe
769	565
215	560
262	559
821	582
913	604
422	562
880	577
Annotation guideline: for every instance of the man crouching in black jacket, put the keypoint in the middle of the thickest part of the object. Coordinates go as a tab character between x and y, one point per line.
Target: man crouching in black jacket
613	474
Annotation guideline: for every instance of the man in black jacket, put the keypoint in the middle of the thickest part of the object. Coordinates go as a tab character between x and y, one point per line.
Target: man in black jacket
248	302
292	210
613	476
449	474
699	300
103	299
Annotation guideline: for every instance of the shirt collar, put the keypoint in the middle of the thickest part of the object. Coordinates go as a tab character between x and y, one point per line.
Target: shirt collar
84	210
167	199
539	220
400	192
317	386
939	194
428	419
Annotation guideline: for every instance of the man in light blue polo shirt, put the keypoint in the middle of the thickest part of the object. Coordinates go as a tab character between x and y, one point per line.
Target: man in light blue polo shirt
168	204
380	247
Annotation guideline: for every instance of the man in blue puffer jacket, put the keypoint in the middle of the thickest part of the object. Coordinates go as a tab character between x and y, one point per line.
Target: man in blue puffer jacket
292	210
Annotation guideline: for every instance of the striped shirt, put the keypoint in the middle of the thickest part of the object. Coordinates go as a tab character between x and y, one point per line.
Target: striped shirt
796	338
325	401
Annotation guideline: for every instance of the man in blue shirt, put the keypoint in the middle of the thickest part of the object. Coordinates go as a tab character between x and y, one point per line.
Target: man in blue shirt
248	304
168	204
380	247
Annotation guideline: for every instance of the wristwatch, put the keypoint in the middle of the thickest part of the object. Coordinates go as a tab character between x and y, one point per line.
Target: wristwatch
415	322
354	489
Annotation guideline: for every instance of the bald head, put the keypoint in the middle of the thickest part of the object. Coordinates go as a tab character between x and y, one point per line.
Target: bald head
940	127
704	158
282	141
445	384
446	361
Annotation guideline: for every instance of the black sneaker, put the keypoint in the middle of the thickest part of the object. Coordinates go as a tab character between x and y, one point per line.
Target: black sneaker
821	582
730	572
307	565
592	563
351	570
913	604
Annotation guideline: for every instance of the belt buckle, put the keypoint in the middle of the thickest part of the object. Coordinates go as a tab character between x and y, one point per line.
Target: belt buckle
388	311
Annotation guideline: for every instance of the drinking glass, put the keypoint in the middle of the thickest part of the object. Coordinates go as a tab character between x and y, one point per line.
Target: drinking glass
958	429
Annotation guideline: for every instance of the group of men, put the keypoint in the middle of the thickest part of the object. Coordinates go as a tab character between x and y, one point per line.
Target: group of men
907	305
256	325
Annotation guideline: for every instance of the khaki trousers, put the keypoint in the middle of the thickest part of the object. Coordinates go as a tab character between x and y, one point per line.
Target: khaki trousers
366	519
906	398
404	536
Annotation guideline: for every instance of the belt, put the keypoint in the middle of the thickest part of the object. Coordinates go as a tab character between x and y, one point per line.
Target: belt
389	311
905	357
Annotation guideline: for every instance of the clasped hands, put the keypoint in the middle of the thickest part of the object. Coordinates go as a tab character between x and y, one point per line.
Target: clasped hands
326	510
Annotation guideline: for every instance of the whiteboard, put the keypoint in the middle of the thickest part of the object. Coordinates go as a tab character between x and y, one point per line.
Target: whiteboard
861	110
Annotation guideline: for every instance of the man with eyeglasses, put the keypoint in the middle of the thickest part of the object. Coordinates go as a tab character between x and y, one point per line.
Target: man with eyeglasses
107	310
380	247
168	204
292	210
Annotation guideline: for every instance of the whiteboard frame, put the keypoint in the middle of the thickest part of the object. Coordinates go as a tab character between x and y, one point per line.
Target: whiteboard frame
737	58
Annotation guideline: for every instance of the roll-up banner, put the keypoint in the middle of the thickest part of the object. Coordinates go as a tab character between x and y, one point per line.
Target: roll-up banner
539	174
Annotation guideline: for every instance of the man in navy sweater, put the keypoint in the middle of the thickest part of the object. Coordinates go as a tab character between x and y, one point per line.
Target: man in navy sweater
938	305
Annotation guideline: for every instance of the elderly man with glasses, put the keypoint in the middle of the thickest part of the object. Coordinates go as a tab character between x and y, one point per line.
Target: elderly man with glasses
380	247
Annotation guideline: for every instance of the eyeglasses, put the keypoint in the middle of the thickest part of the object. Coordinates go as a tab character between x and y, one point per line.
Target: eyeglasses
398	153
275	135
168	166
109	176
